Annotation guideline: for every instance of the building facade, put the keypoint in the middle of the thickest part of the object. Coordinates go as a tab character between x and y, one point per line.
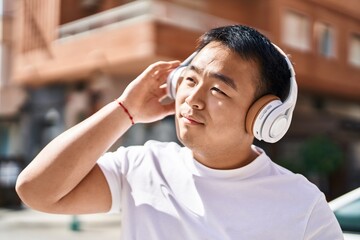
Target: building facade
12	97
72	57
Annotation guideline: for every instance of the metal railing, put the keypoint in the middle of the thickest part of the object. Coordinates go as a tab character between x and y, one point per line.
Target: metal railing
138	11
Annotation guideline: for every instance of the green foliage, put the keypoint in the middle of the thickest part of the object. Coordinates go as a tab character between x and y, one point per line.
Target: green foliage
292	164
318	155
321	155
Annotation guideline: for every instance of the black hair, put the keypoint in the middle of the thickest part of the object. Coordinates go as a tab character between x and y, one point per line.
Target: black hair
251	45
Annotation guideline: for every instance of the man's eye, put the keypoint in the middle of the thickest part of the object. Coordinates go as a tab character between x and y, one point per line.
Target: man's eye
190	81
218	90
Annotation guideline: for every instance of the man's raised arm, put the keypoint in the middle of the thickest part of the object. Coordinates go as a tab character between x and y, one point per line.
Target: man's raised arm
64	176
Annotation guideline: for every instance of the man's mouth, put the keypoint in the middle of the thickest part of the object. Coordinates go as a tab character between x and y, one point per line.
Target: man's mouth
190	119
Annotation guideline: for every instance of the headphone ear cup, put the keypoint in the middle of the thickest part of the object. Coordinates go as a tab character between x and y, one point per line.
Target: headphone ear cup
172	81
258	112
174	76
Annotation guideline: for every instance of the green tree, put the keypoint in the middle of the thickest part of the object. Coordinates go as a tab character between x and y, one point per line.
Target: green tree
320	155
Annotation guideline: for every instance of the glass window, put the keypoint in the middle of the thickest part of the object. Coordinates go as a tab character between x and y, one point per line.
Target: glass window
354	50
296	30
325	39
349	216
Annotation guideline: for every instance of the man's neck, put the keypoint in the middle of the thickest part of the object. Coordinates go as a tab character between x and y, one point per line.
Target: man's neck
225	160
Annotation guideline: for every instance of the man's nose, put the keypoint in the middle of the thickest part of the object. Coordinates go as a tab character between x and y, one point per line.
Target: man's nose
196	98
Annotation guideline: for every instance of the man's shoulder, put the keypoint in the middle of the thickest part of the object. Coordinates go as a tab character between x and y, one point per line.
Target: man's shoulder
284	178
297	183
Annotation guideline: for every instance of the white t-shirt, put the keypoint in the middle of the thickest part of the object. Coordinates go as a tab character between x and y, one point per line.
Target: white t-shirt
164	193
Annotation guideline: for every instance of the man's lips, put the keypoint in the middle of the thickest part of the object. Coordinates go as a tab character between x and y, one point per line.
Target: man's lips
191	119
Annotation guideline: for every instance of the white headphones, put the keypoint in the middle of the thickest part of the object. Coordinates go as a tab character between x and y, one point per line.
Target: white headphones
268	118
175	75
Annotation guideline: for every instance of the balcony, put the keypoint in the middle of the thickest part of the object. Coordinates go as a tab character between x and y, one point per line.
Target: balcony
121	41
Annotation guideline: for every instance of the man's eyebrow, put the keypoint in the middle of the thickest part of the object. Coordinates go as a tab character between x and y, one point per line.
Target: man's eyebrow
195	69
223	78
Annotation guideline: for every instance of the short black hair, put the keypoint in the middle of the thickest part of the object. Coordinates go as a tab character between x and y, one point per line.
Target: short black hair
251	45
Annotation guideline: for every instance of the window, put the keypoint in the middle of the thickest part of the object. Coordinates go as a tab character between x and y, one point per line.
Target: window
91	5
354	50
326	42
296	30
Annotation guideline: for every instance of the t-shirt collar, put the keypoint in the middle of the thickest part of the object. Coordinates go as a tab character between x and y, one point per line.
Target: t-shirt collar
249	170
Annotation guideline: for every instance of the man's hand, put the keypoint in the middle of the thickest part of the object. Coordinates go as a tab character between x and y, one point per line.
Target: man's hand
143	95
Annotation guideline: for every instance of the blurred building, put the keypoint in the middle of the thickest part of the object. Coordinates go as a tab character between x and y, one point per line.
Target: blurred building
12	97
72	57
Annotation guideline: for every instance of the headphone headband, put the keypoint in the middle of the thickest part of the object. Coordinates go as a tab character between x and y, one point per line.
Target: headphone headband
292	96
272	119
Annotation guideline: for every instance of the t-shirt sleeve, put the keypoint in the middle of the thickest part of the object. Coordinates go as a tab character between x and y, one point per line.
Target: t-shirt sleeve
118	166
322	224
112	165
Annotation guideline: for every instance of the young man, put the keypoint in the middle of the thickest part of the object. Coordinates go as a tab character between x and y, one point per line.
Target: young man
219	186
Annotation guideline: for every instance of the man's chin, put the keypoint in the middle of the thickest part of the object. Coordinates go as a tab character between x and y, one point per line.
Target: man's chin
190	140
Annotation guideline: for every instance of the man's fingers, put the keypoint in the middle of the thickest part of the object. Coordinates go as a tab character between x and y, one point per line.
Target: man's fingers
162	91
162	65
163	76
158	68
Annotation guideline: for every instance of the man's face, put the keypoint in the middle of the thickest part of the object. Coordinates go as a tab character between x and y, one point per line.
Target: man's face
213	98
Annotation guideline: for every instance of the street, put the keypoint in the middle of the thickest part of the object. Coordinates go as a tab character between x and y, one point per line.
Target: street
27	224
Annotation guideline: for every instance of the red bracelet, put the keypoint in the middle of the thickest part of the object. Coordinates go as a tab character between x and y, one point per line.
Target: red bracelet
126	111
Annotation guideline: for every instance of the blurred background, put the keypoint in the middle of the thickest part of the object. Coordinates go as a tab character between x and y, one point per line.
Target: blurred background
62	60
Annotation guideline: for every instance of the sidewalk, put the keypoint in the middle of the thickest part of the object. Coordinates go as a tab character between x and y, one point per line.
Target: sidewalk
28	224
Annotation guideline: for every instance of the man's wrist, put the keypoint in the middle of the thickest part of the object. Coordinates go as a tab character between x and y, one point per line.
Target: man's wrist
123	106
